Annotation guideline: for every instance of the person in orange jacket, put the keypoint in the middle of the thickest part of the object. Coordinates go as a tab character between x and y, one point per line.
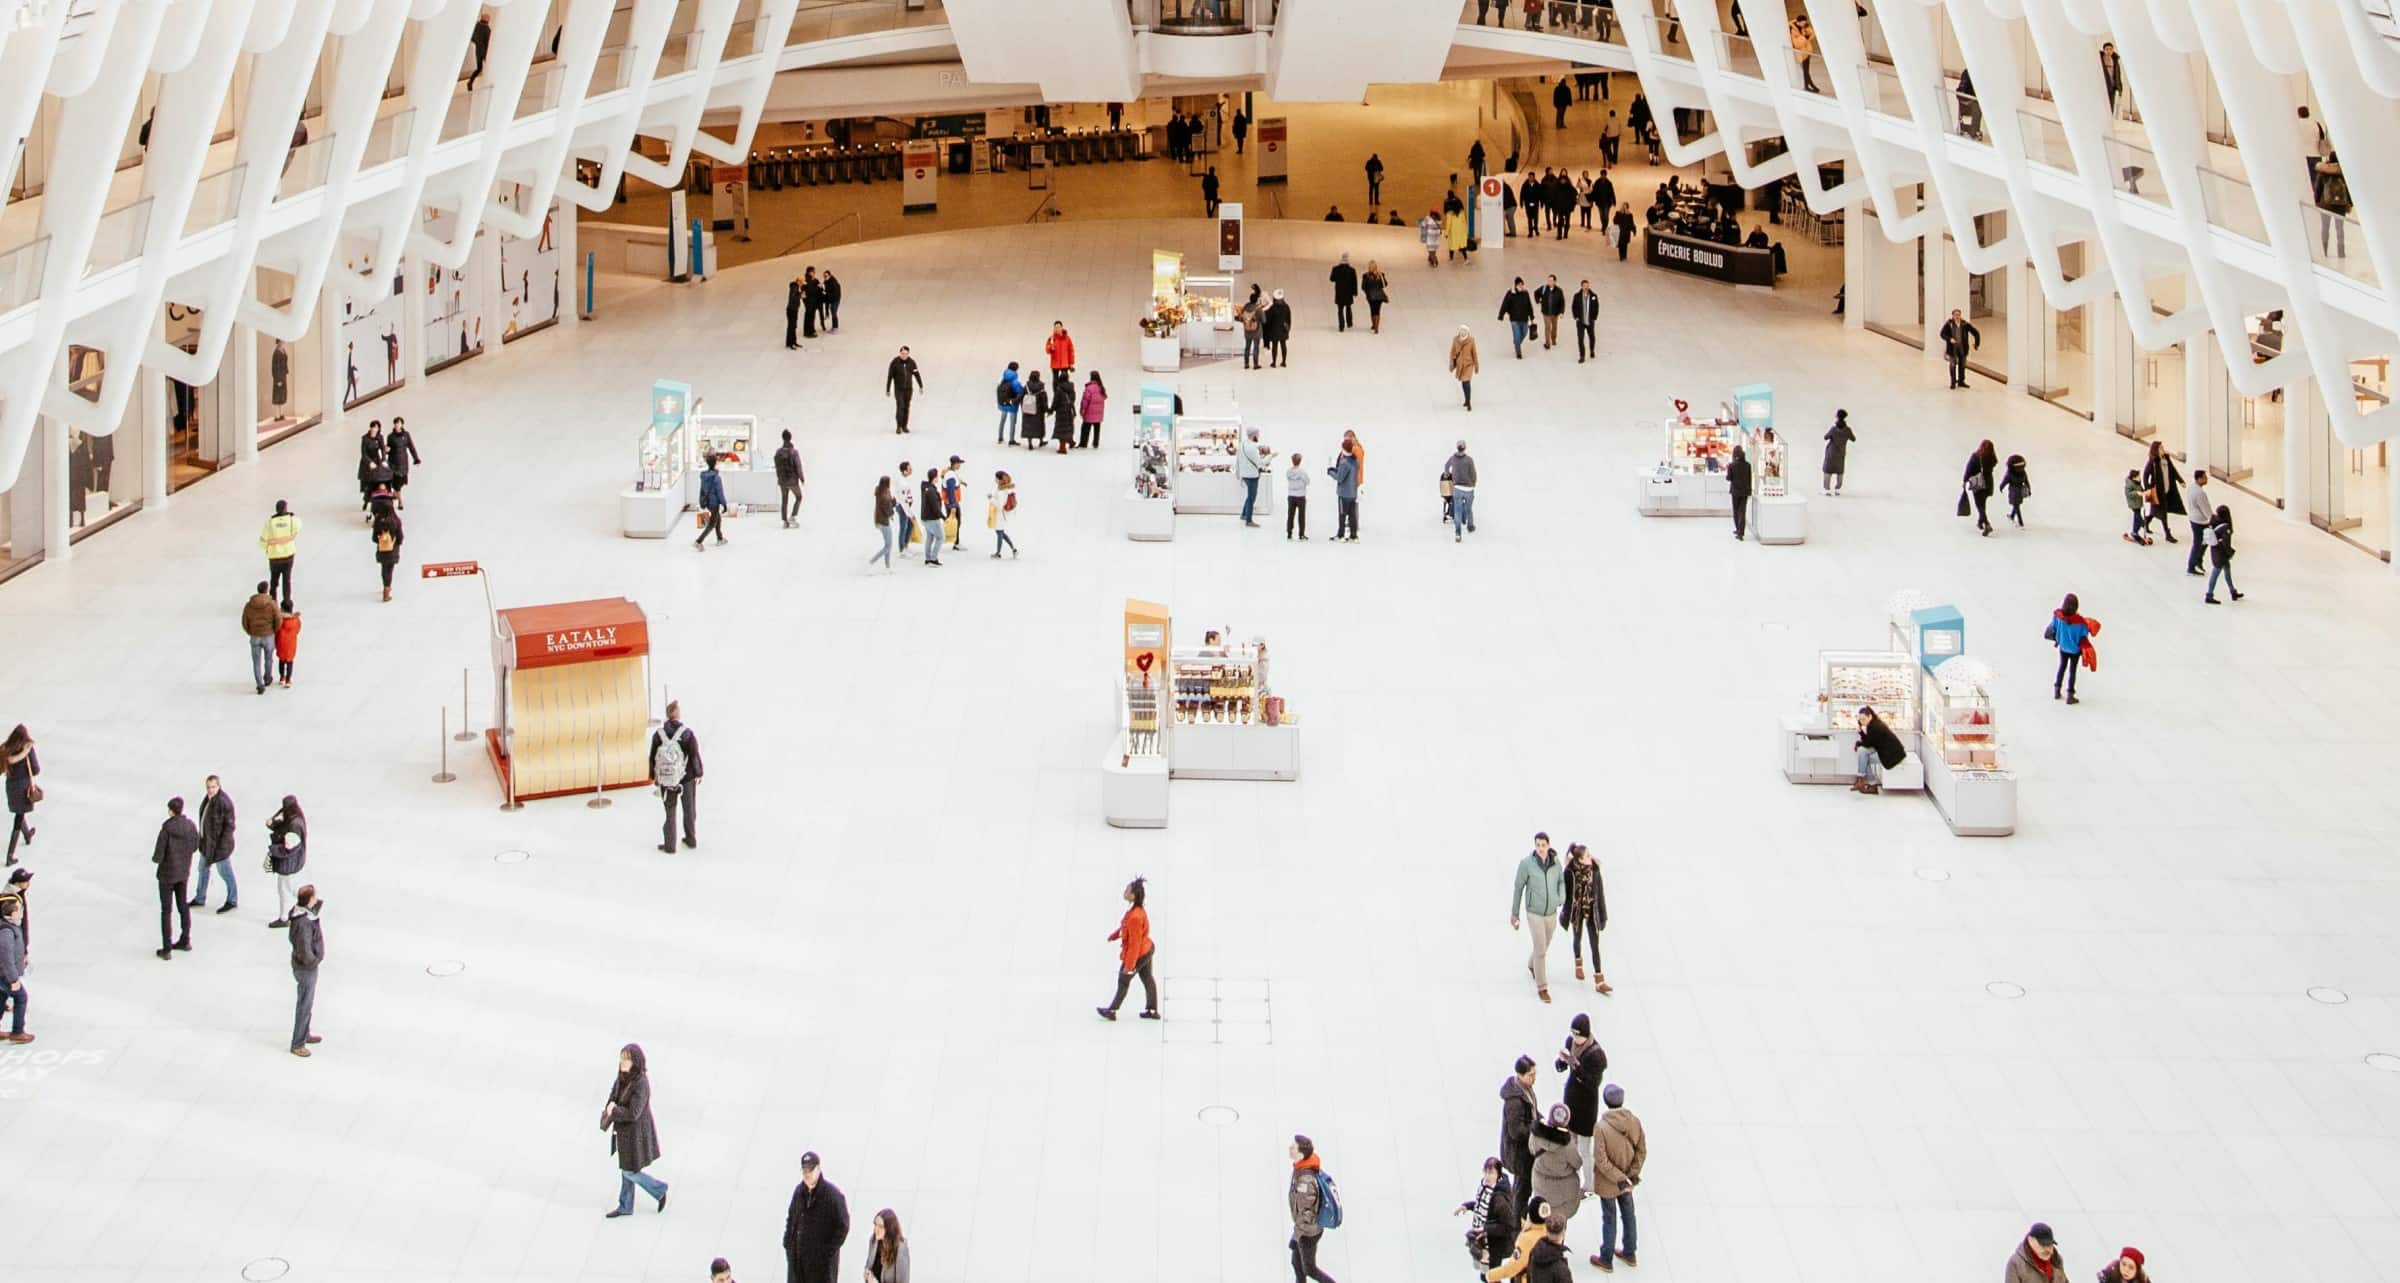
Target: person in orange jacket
287	641
1061	349
1134	954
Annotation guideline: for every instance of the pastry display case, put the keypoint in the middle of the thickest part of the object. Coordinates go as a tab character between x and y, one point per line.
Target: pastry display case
1207	451
1227	722
1689	480
1966	772
1819	742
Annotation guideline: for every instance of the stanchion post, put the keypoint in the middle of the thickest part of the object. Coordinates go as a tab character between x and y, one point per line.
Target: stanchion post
466	722
599	781
506	747
444	776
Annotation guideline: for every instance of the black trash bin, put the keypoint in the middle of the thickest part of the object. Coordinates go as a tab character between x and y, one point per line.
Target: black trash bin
962	156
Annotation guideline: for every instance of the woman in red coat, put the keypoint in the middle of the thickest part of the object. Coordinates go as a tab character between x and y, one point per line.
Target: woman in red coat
1134	955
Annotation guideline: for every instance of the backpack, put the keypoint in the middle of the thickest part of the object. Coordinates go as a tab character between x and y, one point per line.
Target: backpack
1329	1202
383	541
666	763
1007	396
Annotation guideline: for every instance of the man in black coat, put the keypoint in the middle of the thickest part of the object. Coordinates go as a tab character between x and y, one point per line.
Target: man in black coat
216	845
1737	479
1345	289
1585	308
172	853
788	479
1553	302
1586	1068
1276	329
791	315
685	790
815	1227
1517	1112
896	380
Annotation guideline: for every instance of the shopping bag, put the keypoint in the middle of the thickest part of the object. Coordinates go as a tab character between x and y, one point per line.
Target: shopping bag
916	534
950	527
991	516
1963	506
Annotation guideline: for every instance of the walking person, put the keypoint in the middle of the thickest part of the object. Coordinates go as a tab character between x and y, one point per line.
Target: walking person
1011	394
1134	953
371	467
216	845
1737	480
2129	1267
1249	462
1837	452
1429	235
1958	336
897	378
2017	486
887	521
287	855
1517	1114
1624	226
481	39
2204	512
929	514
1553	302
1621	1150
1345	291
280	540
712	508
2037	1258
1344	472
1584	307
887	1250
1538	892
1295	499
1612	138
1378	289
258	624
1587	911
1093	410
1464	364
2163	485
22	764
1275	327
996	513
1310	1210
1209	188
815	1226
389	535
177	842
675	767
400	454
2071	631
1585	1064
1976	484
2137	499
306	931
788	480
1516	308
954	501
1459	471
287	642
12	961
632	1131
2220	555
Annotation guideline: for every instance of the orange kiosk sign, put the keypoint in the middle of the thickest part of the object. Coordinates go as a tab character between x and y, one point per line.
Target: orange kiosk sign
574	704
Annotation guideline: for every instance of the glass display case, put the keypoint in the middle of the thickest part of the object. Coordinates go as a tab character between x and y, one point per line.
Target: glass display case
1966	773
1960	729
1696	446
1885	681
653	504
1206	477
1767	465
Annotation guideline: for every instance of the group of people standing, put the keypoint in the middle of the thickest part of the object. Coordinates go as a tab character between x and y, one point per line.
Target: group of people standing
1034	413
926	512
384	462
2154	495
811	302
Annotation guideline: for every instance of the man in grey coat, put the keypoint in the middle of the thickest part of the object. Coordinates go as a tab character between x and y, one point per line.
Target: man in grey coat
178	840
1460	473
308	953
216	844
12	966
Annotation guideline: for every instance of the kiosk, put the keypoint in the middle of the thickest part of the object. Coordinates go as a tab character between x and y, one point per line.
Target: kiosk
653	505
1204	712
1149	502
1207	450
1162	329
745	466
1778	515
574	702
1966	773
1690	481
1133	780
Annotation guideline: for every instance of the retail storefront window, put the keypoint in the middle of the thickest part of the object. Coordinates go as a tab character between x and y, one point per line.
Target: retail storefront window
291	388
21	522
2066	373
2247	436
104	470
1895	302
2348	492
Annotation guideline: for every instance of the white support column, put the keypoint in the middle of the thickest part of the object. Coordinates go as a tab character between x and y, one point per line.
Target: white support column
412	318
333	363
48	450
2199	447
1945	290
570	263
2028	315
2299	419
1857	286
241	367
146	417
2104	340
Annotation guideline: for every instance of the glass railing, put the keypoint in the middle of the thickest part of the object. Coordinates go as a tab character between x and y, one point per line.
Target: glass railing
2231	204
1667	33
742	40
466	114
216	199
21	274
1816	75
390	138
1584	19
2335	241
827	19
119	236
1879	89
2130	165
2045	141
1739	55
1194	17
305	167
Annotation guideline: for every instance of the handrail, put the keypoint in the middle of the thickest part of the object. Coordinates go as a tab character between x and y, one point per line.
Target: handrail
1048	208
805	241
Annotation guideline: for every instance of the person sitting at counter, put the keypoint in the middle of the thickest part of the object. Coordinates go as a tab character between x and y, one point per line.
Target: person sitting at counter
1727	231
1757	238
1656	215
1878	751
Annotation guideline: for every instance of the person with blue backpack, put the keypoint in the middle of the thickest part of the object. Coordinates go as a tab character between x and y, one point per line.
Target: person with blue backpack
1316	1208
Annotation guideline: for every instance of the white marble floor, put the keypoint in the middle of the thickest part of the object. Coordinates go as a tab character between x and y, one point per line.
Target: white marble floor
888	946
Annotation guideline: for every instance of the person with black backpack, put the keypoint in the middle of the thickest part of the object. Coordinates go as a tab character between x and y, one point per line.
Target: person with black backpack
1316	1208
675	768
788	478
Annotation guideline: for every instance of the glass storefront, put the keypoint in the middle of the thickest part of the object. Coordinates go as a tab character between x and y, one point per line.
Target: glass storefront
1987	304
2348	494
21	515
1895	302
104	470
291	390
199	431
2246	432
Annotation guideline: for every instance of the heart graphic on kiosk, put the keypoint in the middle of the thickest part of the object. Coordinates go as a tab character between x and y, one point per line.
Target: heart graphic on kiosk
1143	661
1682	406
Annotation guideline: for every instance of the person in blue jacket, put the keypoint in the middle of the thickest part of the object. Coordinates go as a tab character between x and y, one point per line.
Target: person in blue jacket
2071	631
712	502
1011	394
1345	493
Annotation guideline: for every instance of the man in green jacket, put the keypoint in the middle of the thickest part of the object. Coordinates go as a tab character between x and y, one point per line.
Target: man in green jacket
1540	889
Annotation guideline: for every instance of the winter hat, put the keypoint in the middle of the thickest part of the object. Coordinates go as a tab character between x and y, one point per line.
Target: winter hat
1279	293
1612	1096
1559	1114
2133	1254
2040	1233
1582	1023
20	877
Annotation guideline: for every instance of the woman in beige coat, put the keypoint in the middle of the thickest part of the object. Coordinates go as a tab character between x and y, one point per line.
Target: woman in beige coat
1463	364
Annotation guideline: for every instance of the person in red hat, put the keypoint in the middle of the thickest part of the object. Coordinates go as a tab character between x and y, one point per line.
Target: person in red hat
2129	1267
